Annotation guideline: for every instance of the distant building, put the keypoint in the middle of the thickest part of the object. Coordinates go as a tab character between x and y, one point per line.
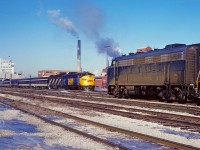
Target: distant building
6	68
47	73
104	72
101	81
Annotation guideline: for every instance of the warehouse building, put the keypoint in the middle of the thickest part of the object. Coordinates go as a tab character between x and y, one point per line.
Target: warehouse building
47	73
101	80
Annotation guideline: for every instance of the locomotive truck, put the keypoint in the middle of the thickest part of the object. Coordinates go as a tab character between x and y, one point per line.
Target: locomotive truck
170	74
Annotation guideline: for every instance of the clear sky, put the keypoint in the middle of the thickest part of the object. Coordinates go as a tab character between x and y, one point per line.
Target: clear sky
43	34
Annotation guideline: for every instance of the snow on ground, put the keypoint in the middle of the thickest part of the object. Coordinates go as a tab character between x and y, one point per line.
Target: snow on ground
63	91
22	131
5	132
111	136
144	127
134	107
144	108
98	89
18	126
120	105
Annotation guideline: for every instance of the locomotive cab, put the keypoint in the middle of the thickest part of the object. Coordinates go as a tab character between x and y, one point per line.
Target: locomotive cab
79	81
86	81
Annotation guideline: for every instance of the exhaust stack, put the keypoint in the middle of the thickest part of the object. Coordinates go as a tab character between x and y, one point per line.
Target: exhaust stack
79	56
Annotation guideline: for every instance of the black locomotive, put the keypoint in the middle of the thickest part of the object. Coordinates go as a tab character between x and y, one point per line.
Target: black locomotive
171	74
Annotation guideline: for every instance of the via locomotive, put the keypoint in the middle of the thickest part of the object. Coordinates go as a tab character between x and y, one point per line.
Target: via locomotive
78	81
171	74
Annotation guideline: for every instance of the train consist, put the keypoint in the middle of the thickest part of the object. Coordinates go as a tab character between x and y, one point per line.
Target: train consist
76	81
171	74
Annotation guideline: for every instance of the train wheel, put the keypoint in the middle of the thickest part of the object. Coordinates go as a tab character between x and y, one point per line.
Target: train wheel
125	93
161	100
115	93
169	100
161	96
168	96
198	103
120	95
182	97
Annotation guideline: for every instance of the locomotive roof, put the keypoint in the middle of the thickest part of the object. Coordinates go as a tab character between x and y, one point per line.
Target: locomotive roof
168	49
79	73
38	78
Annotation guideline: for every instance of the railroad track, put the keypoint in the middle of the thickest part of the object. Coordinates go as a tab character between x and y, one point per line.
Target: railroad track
20	106
187	122
145	104
31	109
56	91
99	96
138	102
73	93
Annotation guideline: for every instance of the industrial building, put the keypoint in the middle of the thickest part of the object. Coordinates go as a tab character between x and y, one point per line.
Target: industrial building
101	80
6	68
47	73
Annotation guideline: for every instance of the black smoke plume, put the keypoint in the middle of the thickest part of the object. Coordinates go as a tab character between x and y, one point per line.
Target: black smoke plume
91	20
108	46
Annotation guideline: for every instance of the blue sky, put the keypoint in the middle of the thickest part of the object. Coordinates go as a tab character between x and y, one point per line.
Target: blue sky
36	40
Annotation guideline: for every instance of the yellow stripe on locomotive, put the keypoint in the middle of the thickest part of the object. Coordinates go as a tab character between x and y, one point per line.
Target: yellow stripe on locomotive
87	80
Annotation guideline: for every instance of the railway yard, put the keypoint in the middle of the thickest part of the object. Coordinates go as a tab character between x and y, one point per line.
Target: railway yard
61	119
99	75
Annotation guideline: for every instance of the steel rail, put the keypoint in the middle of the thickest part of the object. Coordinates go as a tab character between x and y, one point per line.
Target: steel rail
165	142
176	107
100	140
181	108
157	116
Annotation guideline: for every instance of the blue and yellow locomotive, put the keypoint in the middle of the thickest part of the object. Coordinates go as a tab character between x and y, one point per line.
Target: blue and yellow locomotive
82	81
78	81
73	81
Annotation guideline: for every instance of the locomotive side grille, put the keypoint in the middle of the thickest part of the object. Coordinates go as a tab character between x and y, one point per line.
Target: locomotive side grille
50	82
56	81
59	81
53	82
153	59
156	59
